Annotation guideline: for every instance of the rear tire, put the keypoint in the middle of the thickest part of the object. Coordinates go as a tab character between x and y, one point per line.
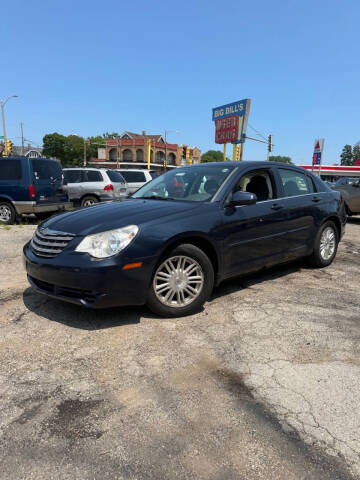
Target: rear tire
88	201
182	282
7	213
325	245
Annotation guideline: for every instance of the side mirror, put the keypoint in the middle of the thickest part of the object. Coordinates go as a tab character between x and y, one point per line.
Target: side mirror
243	198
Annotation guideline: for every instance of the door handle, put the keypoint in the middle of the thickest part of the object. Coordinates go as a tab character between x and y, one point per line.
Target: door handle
316	199
277	206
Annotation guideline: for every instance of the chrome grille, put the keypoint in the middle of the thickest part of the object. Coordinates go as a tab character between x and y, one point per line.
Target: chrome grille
49	243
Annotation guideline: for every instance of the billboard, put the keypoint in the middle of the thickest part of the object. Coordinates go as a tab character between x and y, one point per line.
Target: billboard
318	150
225	123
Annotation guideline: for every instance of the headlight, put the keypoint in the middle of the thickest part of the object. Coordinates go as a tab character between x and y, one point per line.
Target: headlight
107	244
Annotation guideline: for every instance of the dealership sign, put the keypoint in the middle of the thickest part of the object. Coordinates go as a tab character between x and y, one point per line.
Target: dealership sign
318	150
231	121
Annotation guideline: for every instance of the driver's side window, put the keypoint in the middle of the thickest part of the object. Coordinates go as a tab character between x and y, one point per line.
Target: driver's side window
258	182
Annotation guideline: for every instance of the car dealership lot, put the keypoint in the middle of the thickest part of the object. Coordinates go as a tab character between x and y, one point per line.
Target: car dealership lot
262	384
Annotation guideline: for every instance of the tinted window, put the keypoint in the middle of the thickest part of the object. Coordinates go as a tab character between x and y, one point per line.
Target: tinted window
73	176
115	176
257	182
193	184
133	176
311	184
346	181
46	169
294	183
93	176
10	169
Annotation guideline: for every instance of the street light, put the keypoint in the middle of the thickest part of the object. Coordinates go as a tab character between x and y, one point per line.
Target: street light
3	119
168	131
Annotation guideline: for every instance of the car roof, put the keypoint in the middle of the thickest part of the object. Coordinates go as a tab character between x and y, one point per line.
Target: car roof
132	169
248	163
85	168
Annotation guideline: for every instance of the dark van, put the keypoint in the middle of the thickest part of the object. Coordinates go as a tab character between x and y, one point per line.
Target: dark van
31	185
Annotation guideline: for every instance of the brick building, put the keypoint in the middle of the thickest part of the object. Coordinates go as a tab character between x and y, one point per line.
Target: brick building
129	151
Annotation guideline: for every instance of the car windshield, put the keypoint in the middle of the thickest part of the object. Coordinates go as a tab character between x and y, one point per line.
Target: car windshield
346	181
191	184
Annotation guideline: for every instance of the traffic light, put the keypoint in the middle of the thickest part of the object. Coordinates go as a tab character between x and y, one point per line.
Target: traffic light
238	151
184	152
9	146
187	152
270	143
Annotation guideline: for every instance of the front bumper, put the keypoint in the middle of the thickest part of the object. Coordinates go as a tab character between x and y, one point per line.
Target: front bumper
33	207
76	278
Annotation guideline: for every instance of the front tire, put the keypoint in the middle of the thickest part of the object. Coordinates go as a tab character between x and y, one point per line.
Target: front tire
181	283
7	213
325	245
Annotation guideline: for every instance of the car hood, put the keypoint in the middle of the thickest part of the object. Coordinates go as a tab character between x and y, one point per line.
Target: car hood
108	216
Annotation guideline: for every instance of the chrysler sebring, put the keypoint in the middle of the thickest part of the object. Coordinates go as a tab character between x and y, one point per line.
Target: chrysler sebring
183	233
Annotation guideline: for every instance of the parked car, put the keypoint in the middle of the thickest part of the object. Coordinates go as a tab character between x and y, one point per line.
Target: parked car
87	186
136	178
31	185
185	232
350	190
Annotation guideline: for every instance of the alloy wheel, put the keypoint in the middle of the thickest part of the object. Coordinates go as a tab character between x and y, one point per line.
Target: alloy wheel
327	243
89	202
178	281
5	213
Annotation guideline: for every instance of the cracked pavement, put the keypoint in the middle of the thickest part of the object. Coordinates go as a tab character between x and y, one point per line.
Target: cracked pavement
262	384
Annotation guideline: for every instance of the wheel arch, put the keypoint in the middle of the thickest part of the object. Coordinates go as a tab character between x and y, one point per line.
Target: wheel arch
95	195
198	241
337	223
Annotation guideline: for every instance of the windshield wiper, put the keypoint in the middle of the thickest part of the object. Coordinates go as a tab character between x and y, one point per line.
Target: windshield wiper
155	197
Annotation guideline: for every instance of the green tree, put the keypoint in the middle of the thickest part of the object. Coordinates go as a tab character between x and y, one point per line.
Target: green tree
92	145
356	152
280	158
213	156
347	155
54	145
110	135
74	151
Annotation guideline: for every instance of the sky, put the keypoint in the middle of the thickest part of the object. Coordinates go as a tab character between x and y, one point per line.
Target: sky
86	67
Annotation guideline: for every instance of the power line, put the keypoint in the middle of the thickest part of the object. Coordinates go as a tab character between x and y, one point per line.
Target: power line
258	133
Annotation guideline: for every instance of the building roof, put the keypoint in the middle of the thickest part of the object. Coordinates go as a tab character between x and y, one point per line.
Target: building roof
157	138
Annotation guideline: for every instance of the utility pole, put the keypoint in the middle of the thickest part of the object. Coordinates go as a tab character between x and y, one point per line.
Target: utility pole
270	145
165	164
84	162
22	139
4	128
3	120
117	153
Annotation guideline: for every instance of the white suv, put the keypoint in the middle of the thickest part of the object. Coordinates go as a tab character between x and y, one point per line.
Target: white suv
87	186
136	178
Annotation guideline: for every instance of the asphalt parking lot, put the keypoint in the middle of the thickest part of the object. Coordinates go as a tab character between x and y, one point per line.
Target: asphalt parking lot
264	383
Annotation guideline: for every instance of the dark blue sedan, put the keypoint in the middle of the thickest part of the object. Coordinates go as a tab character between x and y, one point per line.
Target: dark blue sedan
185	232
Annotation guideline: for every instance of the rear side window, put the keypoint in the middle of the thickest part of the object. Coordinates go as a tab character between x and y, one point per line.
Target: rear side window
115	176
133	176
93	176
294	183
10	169
73	176
46	169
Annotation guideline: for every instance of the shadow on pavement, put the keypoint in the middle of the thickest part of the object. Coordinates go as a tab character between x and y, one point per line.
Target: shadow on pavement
75	316
247	281
354	220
